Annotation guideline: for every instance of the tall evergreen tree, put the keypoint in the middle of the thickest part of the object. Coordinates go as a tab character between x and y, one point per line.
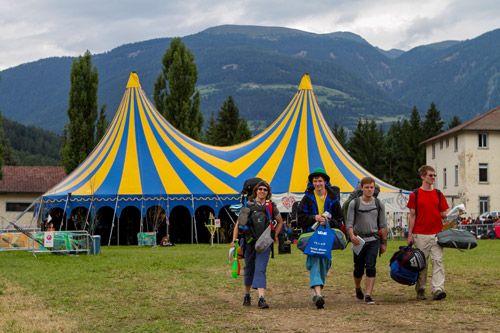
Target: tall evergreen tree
433	124
454	122
412	153
366	146
102	124
211	132
230	128
392	153
174	93
79	133
341	135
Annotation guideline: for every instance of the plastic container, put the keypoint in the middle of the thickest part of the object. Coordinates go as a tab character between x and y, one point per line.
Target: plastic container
95	246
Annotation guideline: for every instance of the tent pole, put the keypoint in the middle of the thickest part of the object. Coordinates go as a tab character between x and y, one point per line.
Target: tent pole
64	212
113	221
193	223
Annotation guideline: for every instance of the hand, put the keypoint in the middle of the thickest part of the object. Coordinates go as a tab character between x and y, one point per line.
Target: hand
321	219
383	248
231	244
276	240
410	238
355	240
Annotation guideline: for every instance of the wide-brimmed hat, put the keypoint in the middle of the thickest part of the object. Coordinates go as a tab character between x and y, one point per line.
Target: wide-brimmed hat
319	172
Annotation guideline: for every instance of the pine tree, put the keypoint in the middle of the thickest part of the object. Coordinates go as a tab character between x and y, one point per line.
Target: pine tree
102	124
341	135
79	133
210	134
392	153
230	128
174	93
454	122
433	124
412	153
367	147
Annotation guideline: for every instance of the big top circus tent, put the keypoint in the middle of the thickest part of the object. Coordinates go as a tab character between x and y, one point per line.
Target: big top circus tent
143	161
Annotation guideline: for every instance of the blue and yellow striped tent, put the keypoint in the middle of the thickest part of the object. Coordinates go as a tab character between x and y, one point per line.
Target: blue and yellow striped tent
144	161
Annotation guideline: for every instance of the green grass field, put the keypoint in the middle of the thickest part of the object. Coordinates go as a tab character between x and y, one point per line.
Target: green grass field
188	288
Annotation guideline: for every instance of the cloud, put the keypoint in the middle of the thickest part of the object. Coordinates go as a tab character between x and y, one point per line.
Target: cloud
37	29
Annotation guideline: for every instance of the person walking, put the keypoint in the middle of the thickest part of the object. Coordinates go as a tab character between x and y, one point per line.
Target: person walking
320	205
366	220
262	212
428	207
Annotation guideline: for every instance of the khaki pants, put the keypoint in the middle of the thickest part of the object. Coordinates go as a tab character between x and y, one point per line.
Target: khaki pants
429	246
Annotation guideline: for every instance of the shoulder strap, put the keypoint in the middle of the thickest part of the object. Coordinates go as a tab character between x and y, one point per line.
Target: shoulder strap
377	203
356	208
439	198
416	203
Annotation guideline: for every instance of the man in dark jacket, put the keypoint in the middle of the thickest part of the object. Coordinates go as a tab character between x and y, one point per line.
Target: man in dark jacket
320	205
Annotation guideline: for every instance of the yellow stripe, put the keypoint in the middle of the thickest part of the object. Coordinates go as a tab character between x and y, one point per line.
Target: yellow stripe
69	182
212	182
236	167
170	180
131	177
268	171
336	177
300	169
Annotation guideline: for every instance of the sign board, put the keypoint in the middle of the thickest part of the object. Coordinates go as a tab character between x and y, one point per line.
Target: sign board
48	239
217	223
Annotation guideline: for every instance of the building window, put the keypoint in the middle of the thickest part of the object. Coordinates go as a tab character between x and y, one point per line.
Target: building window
483	172
483	140
445	183
18	206
447	142
456	175
484	204
433	151
456	143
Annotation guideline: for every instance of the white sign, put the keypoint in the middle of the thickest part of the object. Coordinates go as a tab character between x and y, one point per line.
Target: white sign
48	239
217	223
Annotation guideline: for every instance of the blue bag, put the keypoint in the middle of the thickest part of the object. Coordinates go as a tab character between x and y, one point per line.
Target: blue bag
402	275
321	243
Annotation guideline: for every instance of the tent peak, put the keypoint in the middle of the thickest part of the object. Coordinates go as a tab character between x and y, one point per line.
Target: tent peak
305	83
133	81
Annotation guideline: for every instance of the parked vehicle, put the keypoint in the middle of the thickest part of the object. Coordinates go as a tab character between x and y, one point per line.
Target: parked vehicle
485	216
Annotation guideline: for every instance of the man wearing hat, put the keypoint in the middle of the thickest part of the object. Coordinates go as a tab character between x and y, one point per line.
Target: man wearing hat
321	205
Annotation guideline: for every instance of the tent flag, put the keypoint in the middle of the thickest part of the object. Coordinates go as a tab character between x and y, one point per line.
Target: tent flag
143	160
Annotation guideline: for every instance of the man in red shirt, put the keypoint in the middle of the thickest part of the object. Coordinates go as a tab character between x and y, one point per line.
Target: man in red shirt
427	210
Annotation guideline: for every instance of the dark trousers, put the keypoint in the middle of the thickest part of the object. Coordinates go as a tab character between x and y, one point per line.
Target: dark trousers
367	260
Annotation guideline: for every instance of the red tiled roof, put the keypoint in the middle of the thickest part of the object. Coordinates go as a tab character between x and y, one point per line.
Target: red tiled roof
30	179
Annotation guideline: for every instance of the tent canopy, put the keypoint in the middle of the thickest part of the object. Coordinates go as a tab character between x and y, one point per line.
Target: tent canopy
143	161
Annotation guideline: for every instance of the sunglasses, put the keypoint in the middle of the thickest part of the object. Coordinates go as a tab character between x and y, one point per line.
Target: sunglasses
433	175
263	189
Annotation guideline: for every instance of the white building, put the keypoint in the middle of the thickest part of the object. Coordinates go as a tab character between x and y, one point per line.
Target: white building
20	186
467	163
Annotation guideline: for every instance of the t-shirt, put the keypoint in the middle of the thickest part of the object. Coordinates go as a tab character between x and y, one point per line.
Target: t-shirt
428	220
366	223
320	202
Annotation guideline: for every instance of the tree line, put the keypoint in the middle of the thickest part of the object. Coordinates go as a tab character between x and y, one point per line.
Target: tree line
396	154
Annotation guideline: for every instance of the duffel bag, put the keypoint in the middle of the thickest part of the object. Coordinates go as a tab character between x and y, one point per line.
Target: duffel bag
456	238
339	243
402	275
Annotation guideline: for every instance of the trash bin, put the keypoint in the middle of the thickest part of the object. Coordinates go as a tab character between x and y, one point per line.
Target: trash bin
95	246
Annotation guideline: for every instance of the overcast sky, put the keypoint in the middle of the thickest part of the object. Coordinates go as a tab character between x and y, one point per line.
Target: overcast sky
35	29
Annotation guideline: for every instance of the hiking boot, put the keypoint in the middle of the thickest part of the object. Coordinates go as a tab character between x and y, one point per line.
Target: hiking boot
369	300
319	301
421	295
439	295
247	300
262	303
359	294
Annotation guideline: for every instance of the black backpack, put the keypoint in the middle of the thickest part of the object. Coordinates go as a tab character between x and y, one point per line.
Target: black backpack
248	187
406	265
357	193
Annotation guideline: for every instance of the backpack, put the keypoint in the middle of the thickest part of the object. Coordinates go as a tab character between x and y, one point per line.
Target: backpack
356	193
248	187
377	205
406	265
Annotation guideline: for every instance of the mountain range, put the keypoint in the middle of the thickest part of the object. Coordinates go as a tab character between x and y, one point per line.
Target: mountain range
261	68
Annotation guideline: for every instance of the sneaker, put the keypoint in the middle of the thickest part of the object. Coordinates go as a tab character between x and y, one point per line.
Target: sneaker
247	300
319	301
359	294
369	300
421	295
262	303
439	295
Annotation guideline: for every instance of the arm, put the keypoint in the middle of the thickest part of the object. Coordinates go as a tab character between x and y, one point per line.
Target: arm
350	223
279	219
411	225
235	233
305	217
383	229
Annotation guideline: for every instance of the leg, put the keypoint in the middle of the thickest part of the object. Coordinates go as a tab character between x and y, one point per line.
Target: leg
422	243
371	253
259	280
359	269
437	280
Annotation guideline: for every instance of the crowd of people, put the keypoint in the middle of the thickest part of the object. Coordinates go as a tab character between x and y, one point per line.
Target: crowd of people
365	223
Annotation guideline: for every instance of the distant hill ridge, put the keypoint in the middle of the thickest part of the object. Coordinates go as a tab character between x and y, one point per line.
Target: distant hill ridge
261	68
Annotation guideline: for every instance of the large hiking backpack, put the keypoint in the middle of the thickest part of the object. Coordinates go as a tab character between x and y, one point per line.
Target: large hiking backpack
406	265
248	187
357	193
